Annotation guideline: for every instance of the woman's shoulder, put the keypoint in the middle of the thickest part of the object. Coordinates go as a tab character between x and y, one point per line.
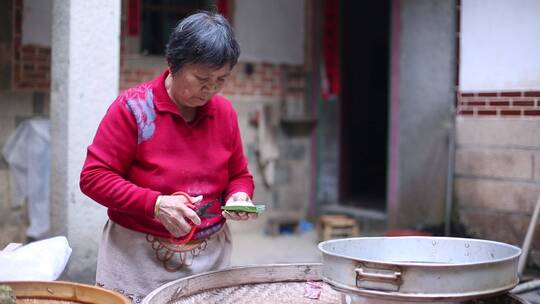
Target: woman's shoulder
222	104
139	92
133	97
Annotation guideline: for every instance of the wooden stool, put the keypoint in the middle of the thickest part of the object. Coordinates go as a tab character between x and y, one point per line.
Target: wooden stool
336	226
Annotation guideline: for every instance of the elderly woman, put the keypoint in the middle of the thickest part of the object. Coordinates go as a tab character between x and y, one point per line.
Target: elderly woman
165	157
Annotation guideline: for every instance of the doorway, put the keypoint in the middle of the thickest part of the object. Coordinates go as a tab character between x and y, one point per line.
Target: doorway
365	44
159	17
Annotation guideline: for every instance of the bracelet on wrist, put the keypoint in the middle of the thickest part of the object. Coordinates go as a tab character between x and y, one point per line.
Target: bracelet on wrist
156	206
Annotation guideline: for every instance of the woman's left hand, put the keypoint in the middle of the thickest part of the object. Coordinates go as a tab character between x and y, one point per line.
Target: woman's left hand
239	216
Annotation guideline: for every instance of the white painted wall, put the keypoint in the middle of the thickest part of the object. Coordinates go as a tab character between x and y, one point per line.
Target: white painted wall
500	45
85	81
36	24
270	31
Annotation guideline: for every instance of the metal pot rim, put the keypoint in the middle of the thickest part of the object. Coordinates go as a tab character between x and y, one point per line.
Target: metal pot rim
419	264
420	297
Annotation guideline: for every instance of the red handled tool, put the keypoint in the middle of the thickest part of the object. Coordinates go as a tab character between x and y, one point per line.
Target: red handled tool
202	212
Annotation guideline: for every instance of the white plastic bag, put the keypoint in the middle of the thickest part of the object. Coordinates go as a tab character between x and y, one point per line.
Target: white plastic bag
43	260
27	153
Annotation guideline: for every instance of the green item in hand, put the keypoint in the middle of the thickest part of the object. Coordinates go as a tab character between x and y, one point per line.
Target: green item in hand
6	295
247	208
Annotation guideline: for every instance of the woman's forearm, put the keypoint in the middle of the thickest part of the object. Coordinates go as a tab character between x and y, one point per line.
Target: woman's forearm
112	191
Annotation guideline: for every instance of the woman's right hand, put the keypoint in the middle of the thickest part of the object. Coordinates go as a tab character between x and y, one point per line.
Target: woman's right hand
173	213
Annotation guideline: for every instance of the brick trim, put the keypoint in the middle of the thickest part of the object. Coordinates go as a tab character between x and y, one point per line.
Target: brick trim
499	104
31	64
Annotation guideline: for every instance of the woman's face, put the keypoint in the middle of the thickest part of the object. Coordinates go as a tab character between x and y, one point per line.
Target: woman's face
194	84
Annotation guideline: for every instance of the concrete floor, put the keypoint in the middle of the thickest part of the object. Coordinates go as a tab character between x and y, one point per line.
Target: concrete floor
251	246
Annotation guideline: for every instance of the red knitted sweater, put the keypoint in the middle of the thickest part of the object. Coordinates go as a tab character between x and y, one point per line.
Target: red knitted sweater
144	148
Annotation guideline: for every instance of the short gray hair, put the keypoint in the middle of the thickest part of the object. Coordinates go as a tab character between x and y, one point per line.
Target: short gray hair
202	38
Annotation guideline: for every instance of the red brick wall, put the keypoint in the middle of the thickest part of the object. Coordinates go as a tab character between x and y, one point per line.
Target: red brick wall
31	69
260	79
267	80
499	104
131	76
31	64
270	80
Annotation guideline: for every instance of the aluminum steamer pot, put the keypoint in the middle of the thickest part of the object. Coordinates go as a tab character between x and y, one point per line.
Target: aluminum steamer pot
420	269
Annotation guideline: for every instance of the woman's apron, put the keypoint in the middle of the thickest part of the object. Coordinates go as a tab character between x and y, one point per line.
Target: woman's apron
134	263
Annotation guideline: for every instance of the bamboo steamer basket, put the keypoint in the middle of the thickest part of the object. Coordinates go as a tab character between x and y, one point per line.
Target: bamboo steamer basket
58	292
262	284
267	284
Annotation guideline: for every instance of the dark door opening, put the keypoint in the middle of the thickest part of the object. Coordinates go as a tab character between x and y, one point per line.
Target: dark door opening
160	17
365	32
